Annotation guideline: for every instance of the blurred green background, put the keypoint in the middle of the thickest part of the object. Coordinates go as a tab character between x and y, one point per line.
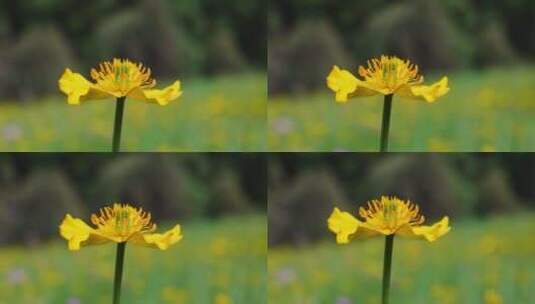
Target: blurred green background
216	48
487	257
487	49
218	199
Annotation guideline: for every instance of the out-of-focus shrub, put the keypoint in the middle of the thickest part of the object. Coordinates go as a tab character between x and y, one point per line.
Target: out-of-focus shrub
32	66
228	195
147	33
299	211
495	193
427	180
419	30
494	47
302	62
279	81
36	209
223	54
156	183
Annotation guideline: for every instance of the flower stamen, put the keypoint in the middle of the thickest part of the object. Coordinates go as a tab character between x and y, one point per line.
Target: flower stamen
391	213
121	76
123	220
390	73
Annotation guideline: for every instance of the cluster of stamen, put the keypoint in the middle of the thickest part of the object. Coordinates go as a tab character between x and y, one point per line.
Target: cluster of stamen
122	76
123	220
391	213
390	73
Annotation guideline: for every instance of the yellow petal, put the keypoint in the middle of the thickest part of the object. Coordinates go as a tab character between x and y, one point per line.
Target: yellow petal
78	233
161	97
346	226
158	240
427	93
430	233
78	89
345	85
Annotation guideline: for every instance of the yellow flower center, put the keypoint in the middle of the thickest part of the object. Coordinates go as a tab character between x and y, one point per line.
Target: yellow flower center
390	73
391	213
121	76
122	221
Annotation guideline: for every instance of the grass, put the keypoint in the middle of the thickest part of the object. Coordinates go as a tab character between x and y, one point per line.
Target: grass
217	114
479	261
489	110
211	265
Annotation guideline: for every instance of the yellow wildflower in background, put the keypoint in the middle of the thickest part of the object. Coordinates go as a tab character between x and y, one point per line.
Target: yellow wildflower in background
387	216
118	78
493	297
120	223
387	75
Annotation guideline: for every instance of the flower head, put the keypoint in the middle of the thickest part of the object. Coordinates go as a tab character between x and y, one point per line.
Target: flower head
117	78
386	216
119	223
386	75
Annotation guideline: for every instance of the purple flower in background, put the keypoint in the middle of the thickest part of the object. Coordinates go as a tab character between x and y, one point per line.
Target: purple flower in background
17	276
343	300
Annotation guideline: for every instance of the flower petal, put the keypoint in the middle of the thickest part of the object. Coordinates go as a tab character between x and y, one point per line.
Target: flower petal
161	97
158	240
430	233
79	233
345	85
346	226
427	93
78	89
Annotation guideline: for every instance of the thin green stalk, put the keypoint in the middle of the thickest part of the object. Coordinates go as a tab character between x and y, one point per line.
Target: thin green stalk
119	109
387	108
387	266
119	259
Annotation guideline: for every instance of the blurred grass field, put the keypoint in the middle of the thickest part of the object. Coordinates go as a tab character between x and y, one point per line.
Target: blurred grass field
219	262
490	110
226	113
477	262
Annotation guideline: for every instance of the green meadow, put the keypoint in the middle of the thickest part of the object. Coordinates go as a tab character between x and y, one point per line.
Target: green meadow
487	110
217	262
225	113
479	261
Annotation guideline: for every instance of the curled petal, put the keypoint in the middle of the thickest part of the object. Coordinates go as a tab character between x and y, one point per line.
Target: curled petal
161	97
430	233
78	233
428	93
161	241
346	226
78	89
345	85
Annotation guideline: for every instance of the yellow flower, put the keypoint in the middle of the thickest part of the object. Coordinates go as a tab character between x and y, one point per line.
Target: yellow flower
492	297
118	78
386	216
119	223
387	75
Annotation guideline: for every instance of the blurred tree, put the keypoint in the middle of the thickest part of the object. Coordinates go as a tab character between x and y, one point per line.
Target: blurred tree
433	34
303	187
299	208
173	37
290	66
31	66
168	185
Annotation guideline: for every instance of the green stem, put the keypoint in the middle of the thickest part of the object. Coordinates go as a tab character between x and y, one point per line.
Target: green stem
119	259
387	266
387	108
119	109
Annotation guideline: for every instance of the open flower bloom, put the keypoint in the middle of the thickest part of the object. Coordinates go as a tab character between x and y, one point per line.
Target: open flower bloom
119	223
118	78
386	216
387	75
